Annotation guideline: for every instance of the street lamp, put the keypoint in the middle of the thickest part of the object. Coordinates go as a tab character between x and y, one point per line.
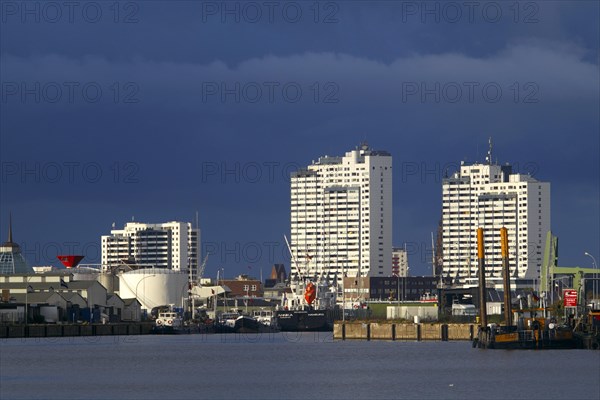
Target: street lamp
593	259
595	266
185	285
344	293
26	297
247	297
398	291
404	284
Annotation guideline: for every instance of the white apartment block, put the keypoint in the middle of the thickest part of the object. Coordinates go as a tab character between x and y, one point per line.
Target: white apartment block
171	245
341	216
490	196
399	262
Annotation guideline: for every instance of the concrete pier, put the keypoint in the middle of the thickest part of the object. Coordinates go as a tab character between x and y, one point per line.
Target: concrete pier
86	330
66	330
401	331
381	331
54	330
70	330
102	330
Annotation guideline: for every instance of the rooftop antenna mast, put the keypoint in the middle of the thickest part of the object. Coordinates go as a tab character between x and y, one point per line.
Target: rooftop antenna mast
10	238
432	255
198	249
488	158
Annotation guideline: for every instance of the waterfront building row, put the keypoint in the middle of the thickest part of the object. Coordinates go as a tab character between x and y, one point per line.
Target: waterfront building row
58	298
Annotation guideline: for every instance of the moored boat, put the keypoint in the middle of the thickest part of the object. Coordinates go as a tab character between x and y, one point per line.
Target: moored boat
168	322
529	333
303	320
246	324
234	322
311	304
309	308
264	317
533	329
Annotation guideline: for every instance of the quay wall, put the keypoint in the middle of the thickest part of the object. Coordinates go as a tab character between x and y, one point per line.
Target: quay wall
66	330
351	330
357	330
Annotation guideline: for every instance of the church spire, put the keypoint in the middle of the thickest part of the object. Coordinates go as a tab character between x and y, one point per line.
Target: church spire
9	242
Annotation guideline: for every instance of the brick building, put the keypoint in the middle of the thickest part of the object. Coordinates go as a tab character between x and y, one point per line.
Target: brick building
243	285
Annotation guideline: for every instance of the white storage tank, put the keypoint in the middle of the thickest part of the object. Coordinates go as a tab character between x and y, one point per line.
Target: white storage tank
154	287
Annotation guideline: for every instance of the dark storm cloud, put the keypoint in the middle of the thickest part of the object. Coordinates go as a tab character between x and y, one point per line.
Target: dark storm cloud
522	79
199	32
190	106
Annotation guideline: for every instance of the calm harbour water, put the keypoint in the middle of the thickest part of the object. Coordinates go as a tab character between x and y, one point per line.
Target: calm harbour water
294	366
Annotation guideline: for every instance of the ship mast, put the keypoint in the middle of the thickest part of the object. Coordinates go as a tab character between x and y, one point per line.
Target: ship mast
294	259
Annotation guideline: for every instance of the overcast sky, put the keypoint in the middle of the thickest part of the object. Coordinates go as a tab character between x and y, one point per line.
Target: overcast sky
153	110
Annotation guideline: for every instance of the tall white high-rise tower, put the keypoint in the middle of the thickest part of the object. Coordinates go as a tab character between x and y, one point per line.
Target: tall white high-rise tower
491	196
341	216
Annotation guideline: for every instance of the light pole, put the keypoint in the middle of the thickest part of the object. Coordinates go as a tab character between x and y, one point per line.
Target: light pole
186	285
593	259
595	266
403	288
557	285
224	293
404	284
215	294
398	291
397	315
344	294
26	297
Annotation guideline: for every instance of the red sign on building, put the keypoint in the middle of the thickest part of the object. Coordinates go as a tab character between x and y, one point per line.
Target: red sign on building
570	297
